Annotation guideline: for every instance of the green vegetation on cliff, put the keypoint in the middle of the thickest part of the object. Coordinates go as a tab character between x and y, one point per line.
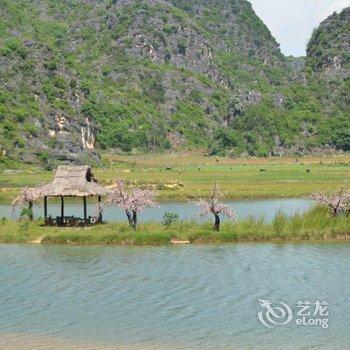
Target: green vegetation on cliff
329	47
328	68
155	75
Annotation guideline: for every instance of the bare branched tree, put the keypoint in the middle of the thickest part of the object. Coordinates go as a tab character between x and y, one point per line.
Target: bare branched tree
337	202
132	202
215	207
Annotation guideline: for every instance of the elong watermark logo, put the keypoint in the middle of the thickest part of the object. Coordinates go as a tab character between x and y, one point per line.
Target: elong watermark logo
308	313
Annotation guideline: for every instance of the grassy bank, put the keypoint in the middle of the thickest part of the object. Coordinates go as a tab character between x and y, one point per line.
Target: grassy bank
179	176
315	225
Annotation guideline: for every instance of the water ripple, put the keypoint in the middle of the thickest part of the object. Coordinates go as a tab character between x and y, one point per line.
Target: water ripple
192	297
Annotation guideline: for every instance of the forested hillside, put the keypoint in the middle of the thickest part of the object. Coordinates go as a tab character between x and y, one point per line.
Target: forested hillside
328	64
83	75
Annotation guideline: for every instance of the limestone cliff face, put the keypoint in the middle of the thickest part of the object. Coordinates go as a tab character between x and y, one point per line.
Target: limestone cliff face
79	69
42	106
77	76
195	37
234	27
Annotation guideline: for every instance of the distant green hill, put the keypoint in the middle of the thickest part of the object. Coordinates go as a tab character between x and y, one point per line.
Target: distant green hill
81	75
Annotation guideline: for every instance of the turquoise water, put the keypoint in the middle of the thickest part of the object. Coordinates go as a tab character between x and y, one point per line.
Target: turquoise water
266	208
188	297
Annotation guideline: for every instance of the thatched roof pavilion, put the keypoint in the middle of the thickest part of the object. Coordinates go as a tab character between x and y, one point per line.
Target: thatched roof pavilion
72	181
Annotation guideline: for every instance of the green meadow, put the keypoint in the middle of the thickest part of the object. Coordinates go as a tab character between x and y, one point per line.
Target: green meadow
182	176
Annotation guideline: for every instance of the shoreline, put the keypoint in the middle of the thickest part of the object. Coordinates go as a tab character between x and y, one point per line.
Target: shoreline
344	239
316	225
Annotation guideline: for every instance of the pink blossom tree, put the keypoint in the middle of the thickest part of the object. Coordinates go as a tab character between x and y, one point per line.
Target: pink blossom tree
27	196
215	207
132	202
337	202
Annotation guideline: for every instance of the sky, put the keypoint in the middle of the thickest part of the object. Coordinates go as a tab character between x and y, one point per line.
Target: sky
291	22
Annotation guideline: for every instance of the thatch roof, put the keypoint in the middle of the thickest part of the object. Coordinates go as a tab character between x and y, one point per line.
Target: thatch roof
73	181
27	195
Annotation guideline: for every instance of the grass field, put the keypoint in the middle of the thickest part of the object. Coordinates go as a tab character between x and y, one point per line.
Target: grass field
180	176
315	225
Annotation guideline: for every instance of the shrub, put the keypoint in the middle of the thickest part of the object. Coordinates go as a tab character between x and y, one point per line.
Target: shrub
170	218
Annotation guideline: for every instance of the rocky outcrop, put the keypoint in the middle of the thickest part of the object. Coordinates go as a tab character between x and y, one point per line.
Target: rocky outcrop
328	51
328	60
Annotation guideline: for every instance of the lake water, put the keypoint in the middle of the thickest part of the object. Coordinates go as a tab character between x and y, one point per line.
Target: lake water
266	208
183	297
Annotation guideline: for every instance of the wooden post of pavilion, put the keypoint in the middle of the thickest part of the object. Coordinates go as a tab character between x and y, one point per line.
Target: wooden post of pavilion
30	210
85	210
100	212
62	210
45	207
